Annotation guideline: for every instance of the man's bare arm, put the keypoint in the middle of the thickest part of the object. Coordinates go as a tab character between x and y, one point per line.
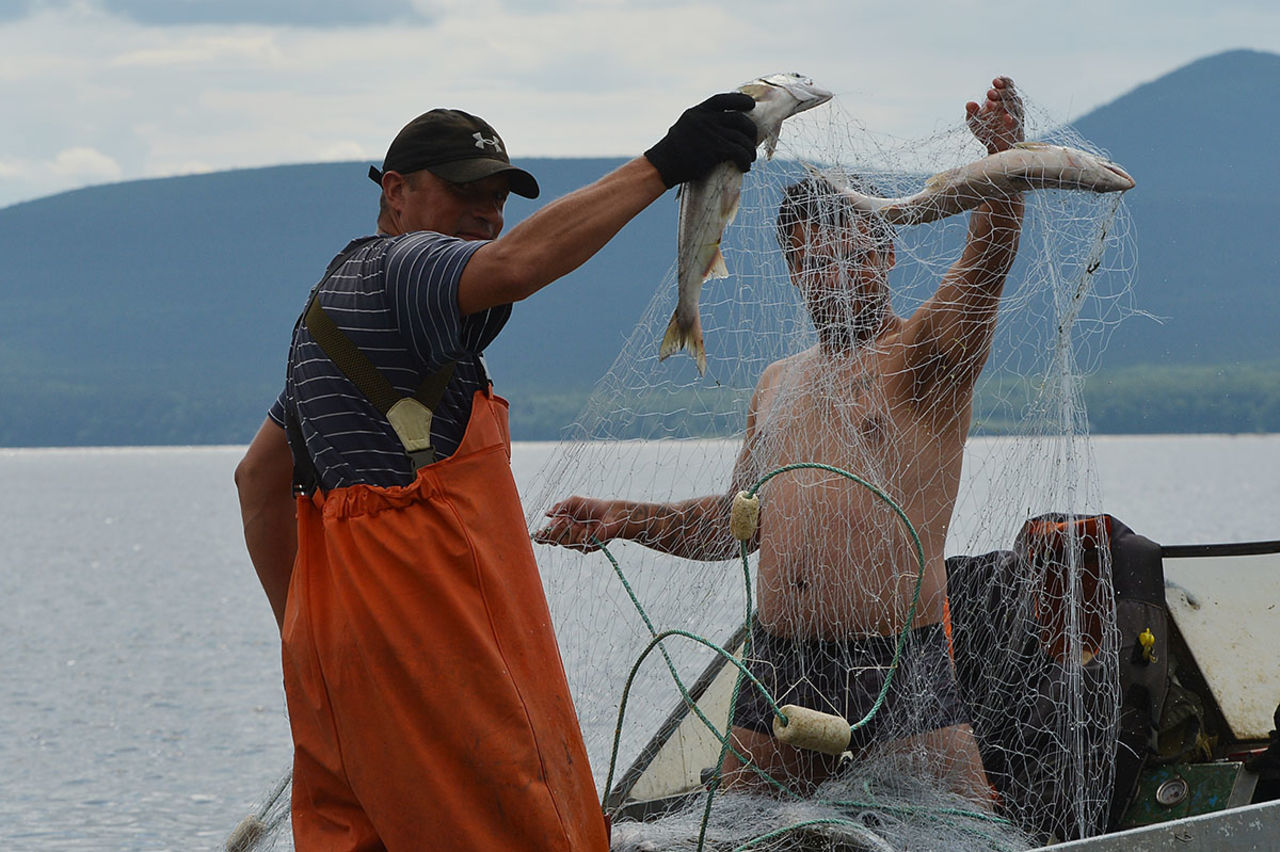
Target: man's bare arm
558	238
949	337
697	528
264	480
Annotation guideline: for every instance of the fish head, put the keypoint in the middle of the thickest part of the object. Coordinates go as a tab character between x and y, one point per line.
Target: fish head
1120	180
1098	174
778	97
805	93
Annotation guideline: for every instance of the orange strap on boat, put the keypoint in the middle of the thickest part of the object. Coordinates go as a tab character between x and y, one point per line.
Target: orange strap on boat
1041	536
1046	541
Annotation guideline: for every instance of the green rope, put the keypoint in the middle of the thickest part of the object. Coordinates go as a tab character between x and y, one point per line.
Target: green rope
915	596
684	692
725	747
653	631
626	689
725	739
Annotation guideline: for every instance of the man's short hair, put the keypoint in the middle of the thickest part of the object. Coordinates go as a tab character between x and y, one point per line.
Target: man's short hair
816	200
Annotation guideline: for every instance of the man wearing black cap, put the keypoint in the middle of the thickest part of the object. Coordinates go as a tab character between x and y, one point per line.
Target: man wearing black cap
428	703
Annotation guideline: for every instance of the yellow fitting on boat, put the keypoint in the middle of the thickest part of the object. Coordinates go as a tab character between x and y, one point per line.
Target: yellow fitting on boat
745	516
1148	641
812	730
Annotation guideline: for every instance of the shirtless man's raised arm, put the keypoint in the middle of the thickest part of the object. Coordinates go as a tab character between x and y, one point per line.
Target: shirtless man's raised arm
948	338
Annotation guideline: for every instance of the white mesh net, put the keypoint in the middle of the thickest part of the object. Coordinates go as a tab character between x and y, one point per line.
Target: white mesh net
838	570
661	451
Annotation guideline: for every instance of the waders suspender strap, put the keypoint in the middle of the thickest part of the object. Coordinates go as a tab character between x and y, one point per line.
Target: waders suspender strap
409	416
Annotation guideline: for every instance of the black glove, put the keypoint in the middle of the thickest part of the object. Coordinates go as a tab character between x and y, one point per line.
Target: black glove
704	136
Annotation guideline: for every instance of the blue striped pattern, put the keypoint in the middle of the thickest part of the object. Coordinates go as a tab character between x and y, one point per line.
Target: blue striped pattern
397	299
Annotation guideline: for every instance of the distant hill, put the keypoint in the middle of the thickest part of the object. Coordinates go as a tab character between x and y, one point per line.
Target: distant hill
1201	143
157	311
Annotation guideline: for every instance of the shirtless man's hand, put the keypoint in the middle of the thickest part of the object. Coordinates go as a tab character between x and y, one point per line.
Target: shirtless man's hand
998	122
582	523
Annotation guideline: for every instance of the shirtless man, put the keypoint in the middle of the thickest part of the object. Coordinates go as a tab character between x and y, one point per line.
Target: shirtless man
887	398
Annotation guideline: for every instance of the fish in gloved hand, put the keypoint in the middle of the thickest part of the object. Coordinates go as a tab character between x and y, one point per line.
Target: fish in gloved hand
708	205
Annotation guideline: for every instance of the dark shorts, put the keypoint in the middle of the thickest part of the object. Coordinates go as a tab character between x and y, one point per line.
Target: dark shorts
845	677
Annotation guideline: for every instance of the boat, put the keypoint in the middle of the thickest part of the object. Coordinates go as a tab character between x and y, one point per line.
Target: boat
1204	774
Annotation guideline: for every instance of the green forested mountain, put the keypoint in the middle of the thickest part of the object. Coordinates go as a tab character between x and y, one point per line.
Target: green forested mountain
157	312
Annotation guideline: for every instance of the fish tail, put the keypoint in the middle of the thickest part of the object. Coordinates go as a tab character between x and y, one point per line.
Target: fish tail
690	338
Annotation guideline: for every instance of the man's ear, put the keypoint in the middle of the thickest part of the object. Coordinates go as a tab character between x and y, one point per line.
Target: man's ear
393	186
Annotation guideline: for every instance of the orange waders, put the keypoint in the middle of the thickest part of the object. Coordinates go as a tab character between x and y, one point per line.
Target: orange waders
428	701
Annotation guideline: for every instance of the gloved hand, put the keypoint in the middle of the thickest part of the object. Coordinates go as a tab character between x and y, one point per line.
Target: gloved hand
704	136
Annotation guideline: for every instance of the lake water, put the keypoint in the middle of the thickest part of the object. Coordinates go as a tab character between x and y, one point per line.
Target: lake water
140	700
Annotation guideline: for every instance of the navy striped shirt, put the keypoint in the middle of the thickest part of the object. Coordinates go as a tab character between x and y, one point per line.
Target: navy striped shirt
396	298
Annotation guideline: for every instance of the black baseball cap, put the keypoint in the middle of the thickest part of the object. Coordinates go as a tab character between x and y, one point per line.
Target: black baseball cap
456	146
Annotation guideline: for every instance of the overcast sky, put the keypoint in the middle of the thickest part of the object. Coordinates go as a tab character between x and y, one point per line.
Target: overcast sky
96	91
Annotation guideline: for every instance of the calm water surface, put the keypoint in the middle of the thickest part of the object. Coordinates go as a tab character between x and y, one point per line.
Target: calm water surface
140	697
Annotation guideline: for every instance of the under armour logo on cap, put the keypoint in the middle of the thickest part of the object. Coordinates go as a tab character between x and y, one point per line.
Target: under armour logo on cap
481	141
455	146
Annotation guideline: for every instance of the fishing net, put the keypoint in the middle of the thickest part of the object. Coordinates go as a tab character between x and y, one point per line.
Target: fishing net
862	495
266	827
856	482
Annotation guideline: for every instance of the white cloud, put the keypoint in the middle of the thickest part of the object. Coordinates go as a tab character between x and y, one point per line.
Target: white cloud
203	49
69	168
300	13
557	77
348	150
169	168
85	164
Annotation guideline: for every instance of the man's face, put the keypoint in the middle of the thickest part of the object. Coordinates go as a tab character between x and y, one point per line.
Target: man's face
470	211
843	273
